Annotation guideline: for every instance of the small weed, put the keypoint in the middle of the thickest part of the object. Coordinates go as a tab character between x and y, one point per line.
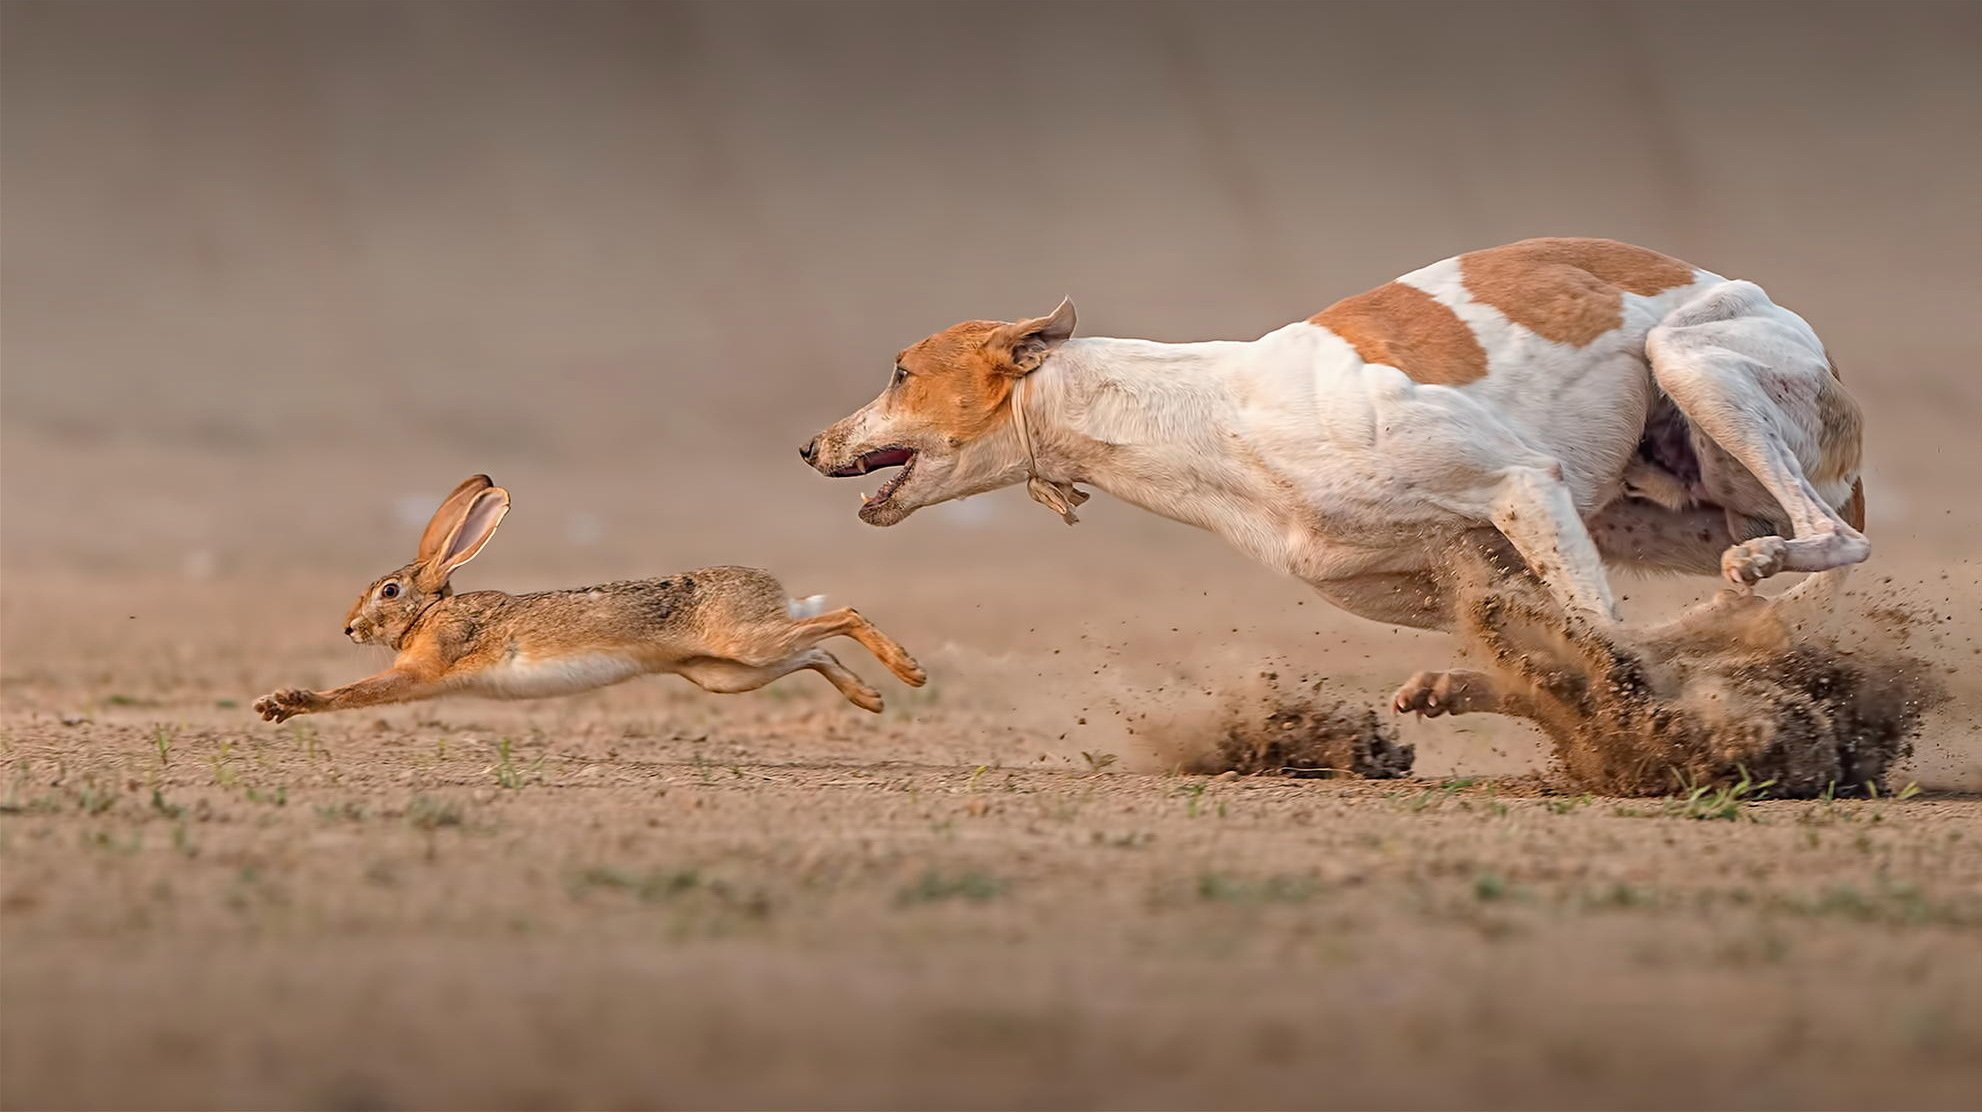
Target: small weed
1488	887
1908	792
1277	889
935	887
1097	762
223	765
277	798
1566	805
1723	804
1193	793
161	742
653	887
1620	895
110	843
348	811
93	800
428	813
506	773
225	704
169	810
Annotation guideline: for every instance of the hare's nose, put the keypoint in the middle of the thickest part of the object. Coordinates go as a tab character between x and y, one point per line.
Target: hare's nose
349	630
810	453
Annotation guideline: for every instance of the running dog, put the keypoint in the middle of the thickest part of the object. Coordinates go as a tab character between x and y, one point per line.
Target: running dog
1586	400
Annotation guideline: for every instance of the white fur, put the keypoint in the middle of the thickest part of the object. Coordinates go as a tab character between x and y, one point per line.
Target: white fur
525	677
811	606
1348	475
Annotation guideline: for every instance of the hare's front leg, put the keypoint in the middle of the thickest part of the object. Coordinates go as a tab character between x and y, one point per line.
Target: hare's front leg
392	686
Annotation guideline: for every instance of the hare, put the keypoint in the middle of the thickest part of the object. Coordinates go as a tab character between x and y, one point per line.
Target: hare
726	629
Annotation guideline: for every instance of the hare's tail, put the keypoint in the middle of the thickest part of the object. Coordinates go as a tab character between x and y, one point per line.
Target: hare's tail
811	606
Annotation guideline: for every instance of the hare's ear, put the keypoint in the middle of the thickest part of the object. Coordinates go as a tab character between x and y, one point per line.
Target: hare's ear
478	523
448	517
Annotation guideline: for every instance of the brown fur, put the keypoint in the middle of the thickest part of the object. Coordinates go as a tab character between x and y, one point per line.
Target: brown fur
1568	290
726	629
1854	507
1843	435
960	378
1406	328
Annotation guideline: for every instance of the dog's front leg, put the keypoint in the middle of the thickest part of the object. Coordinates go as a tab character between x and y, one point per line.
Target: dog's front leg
1533	509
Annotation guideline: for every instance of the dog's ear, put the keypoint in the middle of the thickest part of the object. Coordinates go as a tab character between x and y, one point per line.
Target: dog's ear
1019	349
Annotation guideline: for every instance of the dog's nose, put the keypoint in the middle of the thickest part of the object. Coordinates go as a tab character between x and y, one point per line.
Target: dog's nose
810	452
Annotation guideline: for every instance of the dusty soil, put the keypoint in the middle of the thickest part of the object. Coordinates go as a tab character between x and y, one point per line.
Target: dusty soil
652	896
276	276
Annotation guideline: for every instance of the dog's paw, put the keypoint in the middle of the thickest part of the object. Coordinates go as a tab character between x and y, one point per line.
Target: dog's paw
1432	694
280	706
1752	561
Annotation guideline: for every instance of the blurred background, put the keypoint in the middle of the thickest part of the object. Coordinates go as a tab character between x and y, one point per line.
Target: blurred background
276	275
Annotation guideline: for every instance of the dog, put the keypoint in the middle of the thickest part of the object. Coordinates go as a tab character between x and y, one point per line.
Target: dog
1582	401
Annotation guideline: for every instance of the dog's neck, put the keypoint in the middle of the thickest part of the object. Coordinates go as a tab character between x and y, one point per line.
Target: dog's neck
1148	423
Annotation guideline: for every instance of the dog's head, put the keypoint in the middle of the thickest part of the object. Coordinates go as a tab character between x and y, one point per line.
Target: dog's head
942	416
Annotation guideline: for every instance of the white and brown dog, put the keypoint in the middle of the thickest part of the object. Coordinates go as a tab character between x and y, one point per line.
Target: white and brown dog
1589	400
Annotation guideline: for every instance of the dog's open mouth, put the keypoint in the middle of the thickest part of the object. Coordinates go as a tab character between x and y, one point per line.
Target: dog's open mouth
876	460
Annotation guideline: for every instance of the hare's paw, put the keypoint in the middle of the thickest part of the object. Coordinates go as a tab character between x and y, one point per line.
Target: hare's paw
279	706
910	672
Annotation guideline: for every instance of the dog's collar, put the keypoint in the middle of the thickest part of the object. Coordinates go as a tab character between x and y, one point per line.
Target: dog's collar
1060	497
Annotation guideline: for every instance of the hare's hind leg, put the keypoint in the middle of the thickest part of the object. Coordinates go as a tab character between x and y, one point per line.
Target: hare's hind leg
725	676
847	622
840	676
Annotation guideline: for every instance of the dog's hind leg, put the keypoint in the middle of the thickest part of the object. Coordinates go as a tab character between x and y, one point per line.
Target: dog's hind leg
1754	380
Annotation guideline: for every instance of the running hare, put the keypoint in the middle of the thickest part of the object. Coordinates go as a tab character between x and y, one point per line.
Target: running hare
725	629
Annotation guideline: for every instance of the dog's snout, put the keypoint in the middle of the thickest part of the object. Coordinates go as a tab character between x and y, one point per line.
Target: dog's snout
810	452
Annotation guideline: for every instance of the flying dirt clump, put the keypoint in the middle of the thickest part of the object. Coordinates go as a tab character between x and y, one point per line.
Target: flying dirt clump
1299	733
1740	688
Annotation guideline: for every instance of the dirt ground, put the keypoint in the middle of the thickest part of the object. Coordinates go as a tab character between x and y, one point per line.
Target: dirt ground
276	276
994	894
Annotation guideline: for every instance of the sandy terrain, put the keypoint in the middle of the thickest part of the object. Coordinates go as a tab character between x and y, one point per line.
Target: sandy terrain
277	276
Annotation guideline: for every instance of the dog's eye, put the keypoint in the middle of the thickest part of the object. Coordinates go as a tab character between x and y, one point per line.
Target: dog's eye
901	375
390	590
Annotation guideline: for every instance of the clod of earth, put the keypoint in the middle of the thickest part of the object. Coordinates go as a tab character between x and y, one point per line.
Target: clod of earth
1738	690
1299	734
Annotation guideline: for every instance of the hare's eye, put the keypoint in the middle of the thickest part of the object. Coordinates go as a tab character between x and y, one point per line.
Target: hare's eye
390	590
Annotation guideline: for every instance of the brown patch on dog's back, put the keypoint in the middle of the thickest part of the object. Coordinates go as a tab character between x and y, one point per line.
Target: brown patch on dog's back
1568	290
1406	328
